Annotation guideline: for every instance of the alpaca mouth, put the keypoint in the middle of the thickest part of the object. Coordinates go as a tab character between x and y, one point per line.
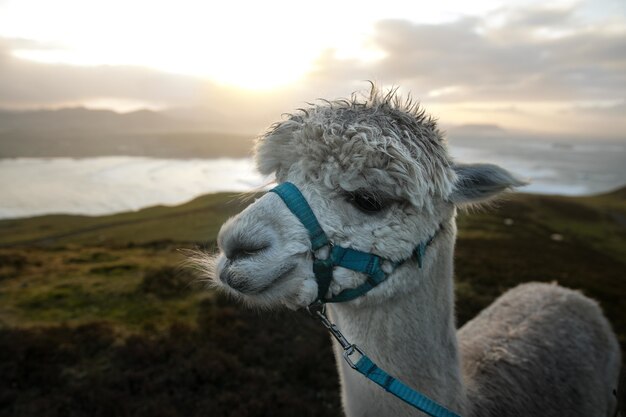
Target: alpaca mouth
248	286
282	276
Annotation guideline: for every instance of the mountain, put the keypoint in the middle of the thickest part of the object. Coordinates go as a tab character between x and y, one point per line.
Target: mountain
81	132
83	118
476	128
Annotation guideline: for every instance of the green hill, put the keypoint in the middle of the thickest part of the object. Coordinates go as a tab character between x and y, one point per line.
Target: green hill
196	221
97	318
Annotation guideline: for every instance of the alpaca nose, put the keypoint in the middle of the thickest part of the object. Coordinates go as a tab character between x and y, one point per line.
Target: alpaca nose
245	235
240	243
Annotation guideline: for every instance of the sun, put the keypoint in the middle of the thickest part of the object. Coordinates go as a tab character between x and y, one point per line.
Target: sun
230	43
240	64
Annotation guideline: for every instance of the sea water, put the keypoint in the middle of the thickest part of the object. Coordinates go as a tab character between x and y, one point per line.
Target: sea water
104	185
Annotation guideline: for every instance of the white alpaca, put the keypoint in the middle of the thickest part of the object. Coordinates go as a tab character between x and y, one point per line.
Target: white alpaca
379	179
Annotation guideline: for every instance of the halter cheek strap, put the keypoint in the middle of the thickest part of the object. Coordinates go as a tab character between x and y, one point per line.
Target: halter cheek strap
355	260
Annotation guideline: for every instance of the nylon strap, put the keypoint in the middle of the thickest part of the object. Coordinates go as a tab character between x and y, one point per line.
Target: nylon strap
298	205
372	372
367	263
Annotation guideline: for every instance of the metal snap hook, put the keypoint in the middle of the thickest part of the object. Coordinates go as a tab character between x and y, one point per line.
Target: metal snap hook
348	352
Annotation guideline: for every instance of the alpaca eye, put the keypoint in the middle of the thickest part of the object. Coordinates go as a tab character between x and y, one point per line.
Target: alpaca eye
366	202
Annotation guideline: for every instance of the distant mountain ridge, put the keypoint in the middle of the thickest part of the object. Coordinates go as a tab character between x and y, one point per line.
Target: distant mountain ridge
81	117
476	128
194	132
82	132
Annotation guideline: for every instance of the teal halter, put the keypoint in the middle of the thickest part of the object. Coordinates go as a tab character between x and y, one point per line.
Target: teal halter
370	265
355	260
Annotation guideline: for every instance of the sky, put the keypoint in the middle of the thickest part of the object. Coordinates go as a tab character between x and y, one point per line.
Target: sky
552	68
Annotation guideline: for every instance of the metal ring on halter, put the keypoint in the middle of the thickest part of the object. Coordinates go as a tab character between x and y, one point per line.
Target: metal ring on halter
348	352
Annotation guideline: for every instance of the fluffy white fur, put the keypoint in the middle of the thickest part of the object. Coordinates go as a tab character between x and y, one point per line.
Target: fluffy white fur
538	350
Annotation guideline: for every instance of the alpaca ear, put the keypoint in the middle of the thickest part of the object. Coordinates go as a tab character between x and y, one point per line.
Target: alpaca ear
477	183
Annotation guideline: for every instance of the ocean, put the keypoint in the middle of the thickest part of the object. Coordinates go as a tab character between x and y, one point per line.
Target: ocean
105	185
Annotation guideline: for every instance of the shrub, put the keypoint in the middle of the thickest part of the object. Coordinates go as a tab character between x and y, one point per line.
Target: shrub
166	282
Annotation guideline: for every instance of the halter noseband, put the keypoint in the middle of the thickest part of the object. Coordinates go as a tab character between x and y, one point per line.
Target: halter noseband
355	260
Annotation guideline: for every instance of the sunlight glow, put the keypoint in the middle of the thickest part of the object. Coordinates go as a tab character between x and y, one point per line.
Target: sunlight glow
251	45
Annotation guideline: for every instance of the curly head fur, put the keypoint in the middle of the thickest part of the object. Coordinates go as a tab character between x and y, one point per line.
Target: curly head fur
373	142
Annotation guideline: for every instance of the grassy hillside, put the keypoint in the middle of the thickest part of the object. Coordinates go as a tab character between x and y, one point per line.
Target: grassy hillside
196	221
96	318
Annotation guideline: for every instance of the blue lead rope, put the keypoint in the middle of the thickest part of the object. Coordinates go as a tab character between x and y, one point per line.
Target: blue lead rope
366	367
372	372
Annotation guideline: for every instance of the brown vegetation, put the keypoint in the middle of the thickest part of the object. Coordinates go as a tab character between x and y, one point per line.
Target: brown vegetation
114	329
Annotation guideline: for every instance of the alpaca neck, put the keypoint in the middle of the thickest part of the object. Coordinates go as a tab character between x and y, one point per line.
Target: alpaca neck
412	336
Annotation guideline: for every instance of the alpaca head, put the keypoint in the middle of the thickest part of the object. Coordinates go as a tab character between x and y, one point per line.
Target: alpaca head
379	179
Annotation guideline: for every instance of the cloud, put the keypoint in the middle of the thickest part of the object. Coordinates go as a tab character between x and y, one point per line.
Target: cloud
25	82
528	55
540	17
29	84
521	67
